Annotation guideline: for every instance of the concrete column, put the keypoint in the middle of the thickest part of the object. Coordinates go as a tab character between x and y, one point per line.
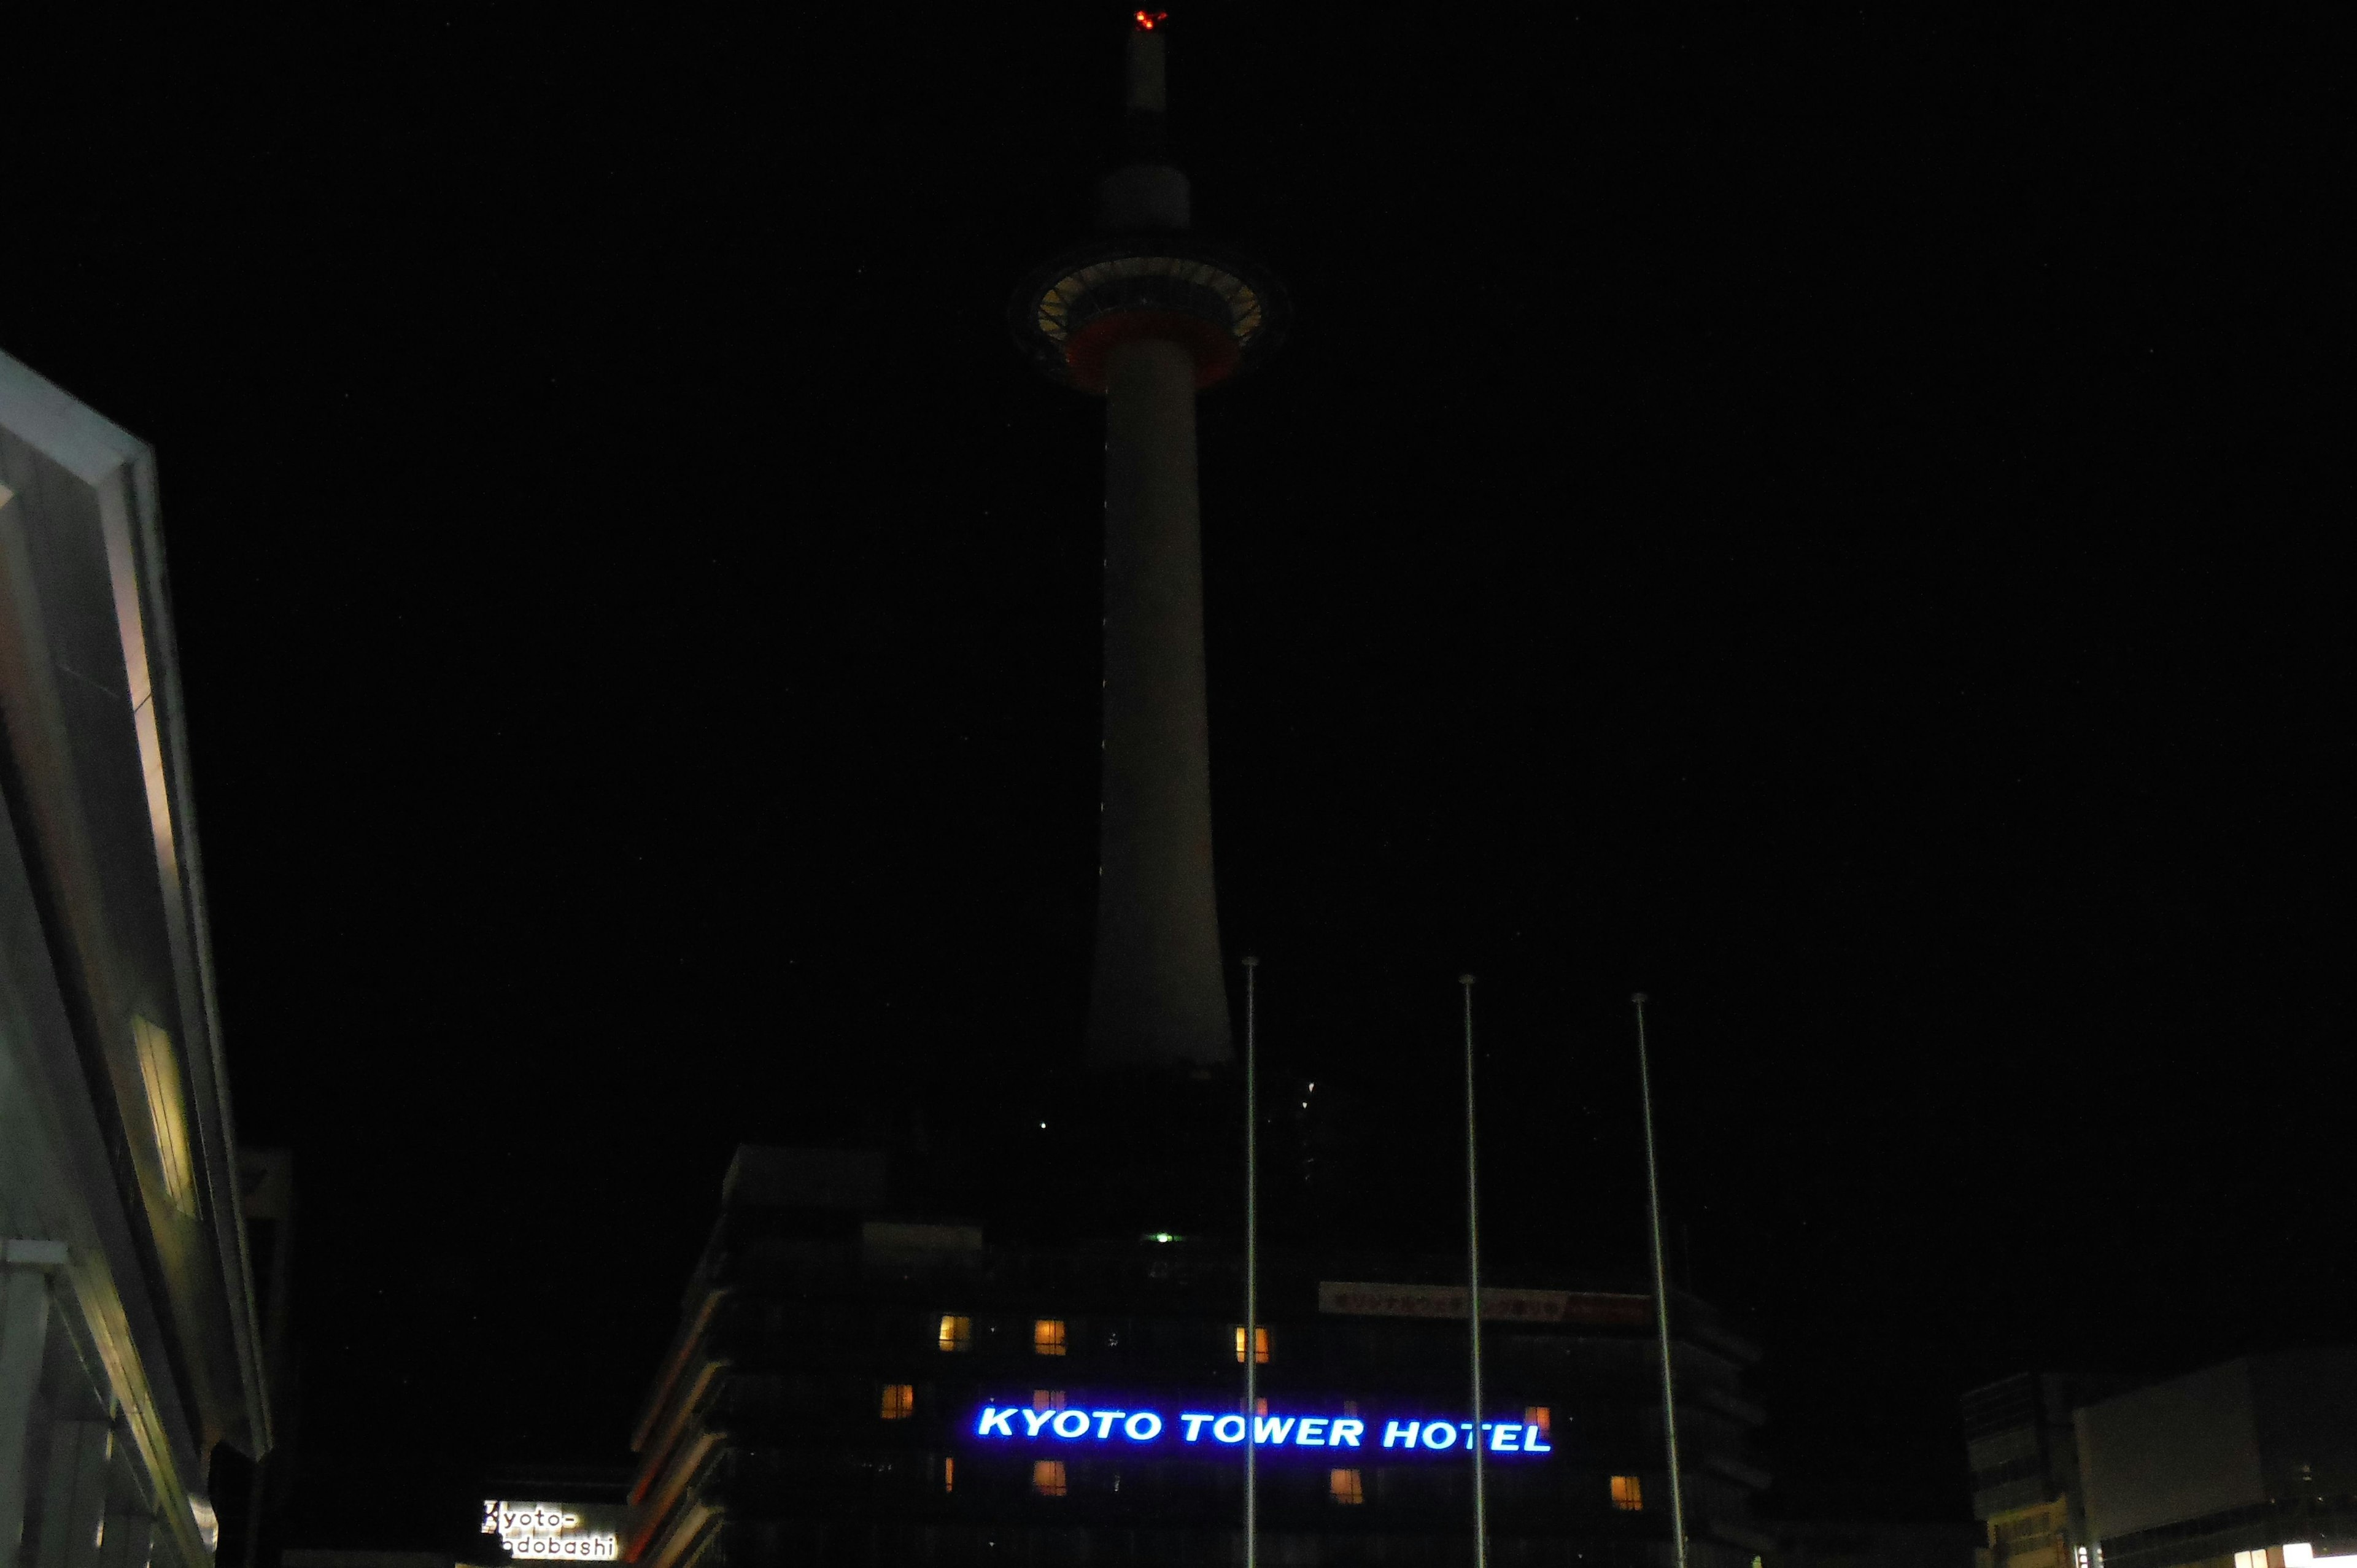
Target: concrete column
1158	996
24	1336
73	1502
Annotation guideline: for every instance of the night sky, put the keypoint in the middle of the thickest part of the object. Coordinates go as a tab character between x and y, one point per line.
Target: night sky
1829	519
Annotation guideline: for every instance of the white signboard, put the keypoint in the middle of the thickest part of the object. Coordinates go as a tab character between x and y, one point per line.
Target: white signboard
535	1532
1364	1299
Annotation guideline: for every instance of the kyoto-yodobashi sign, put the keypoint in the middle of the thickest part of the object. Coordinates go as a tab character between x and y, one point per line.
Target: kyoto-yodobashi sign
537	1532
1211	1430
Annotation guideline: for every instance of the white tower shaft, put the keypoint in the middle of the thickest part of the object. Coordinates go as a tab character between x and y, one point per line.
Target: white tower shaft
1158	997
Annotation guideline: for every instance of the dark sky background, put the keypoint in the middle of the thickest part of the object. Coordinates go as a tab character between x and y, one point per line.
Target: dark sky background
1833	519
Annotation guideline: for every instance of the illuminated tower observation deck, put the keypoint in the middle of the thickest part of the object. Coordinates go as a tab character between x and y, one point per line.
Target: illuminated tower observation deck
1148	317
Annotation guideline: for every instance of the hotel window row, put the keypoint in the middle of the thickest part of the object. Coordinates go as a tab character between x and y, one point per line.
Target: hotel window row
1051	1480
899	1401
1052	1336
1345	1487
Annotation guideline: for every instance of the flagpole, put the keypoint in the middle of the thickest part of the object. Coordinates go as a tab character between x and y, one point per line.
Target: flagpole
1252	1258
1661	1289
1473	1286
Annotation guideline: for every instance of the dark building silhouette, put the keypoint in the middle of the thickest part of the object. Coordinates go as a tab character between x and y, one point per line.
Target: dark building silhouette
2025	1467
2251	1464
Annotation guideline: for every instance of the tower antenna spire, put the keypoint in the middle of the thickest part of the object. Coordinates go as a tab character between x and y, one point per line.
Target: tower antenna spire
1147	98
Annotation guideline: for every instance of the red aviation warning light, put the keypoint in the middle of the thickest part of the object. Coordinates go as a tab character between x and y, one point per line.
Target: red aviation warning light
1149	20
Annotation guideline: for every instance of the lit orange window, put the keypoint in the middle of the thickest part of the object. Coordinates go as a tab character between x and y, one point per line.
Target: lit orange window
1048	1339
1048	1478
949	1475
957	1333
900	1401
1540	1416
1260	1407
1260	1345
1047	1399
1345	1486
1627	1494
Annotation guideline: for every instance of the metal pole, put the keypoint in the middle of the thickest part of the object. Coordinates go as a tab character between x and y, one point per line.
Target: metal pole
1473	1286
1251	1259
1661	1289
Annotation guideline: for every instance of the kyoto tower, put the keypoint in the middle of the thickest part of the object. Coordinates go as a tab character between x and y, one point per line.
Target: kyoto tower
1147	317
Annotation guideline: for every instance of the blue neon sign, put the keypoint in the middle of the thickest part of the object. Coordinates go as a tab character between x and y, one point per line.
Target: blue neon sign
1213	1430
